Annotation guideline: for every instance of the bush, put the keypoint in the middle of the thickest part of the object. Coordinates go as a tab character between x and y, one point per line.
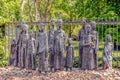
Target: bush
75	62
3	51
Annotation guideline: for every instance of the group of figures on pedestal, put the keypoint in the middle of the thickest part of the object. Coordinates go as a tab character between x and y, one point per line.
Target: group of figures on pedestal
88	46
23	53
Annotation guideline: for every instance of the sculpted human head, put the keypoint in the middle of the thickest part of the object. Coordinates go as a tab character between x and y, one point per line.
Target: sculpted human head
24	27
41	27
30	32
69	41
23	22
83	23
88	28
60	23
93	25
53	22
108	38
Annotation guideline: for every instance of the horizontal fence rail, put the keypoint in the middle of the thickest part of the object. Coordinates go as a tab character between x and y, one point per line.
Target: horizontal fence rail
65	23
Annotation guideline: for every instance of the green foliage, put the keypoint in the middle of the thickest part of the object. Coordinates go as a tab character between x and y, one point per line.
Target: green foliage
115	6
75	30
115	34
10	11
68	10
3	52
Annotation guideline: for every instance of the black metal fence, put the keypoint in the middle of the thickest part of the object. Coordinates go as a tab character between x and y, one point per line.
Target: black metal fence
104	27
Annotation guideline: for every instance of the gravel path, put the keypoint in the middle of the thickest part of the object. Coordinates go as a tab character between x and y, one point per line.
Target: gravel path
12	73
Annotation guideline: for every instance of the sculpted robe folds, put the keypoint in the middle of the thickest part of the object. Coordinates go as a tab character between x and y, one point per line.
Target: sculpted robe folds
42	49
59	48
51	46
19	49
95	46
13	52
69	56
31	53
80	38
87	57
23	48
107	54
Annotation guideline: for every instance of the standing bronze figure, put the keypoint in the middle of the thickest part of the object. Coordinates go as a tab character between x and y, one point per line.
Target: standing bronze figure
42	49
51	38
81	34
95	40
87	56
13	53
30	62
69	55
107	53
23	37
59	47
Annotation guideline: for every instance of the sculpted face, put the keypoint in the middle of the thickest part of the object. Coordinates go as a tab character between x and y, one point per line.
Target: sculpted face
60	23
53	22
30	32
83	23
88	28
24	27
108	38
93	25
23	22
69	41
41	27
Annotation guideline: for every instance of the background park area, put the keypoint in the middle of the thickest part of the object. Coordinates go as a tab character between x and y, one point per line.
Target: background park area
106	13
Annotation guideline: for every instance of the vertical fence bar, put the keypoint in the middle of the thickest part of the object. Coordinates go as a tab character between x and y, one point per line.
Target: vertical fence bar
109	25
118	50
113	31
8	38
16	33
98	52
13	36
102	31
5	38
98	33
117	43
112	26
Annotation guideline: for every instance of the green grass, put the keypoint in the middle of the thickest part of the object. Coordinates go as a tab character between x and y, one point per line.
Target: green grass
116	55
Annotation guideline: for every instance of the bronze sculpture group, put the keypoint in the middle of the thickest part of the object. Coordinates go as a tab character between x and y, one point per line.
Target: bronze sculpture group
23	53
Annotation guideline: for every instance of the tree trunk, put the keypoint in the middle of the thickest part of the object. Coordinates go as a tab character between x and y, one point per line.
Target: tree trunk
22	5
29	7
35	10
46	10
41	19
